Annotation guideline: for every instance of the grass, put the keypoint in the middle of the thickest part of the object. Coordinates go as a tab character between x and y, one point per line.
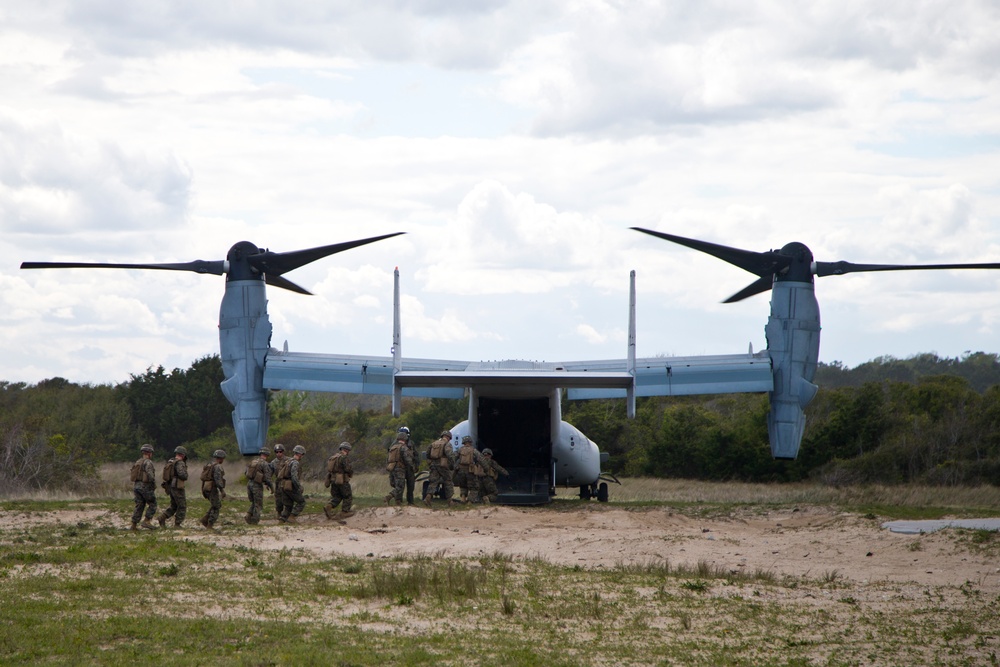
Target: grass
85	591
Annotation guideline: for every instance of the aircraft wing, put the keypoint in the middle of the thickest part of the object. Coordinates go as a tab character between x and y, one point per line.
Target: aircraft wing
355	374
682	376
439	378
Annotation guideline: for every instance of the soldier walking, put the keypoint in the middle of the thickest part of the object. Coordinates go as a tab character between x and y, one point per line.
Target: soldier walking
258	477
338	477
175	475
470	462
291	485
488	480
409	468
277	464
399	457
143	476
441	456
213	487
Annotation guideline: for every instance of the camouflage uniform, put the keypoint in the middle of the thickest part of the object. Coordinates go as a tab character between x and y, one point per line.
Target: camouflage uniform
294	500
175	489
258	477
215	491
277	464
488	480
470	462
410	466
338	478
441	469
396	466
144	490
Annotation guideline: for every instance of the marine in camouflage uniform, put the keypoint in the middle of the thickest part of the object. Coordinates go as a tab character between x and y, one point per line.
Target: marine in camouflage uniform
279	462
441	468
175	489
291	484
214	489
470	462
488	480
144	489
338	477
258	477
411	468
399	457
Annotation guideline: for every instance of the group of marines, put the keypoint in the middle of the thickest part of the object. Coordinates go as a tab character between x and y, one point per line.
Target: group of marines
281	476
474	472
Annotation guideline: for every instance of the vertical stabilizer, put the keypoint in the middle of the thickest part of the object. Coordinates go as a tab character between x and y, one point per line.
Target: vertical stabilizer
630	392
397	359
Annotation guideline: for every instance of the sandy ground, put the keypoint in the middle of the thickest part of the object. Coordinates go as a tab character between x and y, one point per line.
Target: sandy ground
810	542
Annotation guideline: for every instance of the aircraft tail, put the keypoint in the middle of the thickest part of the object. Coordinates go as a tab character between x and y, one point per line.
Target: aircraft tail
397	351
630	392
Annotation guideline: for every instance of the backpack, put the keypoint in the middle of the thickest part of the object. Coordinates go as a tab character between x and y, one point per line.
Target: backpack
466	455
437	449
331	463
254	472
168	470
136	475
206	473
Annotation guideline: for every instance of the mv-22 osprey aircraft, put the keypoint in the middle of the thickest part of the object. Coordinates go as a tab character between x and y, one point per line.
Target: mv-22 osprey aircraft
514	406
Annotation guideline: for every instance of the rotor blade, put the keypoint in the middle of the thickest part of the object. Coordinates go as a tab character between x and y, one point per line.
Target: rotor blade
763	264
762	284
840	268
284	283
276	263
198	266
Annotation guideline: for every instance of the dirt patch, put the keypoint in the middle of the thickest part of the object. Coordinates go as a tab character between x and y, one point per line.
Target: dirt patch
815	543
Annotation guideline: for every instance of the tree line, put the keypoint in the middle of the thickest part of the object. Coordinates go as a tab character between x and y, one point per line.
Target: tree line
922	419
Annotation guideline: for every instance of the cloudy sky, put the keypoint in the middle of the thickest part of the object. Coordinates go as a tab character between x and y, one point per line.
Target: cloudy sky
515	142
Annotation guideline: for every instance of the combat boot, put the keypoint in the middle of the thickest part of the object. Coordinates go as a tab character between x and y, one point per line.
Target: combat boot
347	513
328	511
177	523
204	521
148	525
388	500
292	518
486	501
427	500
135	526
163	520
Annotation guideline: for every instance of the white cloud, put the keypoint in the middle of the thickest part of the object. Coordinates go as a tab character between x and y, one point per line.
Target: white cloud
515	142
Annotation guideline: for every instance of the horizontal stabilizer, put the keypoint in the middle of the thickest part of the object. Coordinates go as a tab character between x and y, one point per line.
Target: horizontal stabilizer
685	376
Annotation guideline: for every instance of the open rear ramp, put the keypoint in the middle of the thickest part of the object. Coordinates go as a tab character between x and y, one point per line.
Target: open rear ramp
518	432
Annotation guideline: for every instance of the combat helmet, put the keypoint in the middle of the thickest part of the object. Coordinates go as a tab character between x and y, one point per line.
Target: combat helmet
181	449
488	452
346	446
219	454
146	448
265	450
298	449
445	434
467	438
279	448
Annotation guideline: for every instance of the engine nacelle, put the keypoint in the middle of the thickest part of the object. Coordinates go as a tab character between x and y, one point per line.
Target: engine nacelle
793	343
244	340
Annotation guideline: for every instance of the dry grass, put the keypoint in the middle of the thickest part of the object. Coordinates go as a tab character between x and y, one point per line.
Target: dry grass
113	483
645	489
